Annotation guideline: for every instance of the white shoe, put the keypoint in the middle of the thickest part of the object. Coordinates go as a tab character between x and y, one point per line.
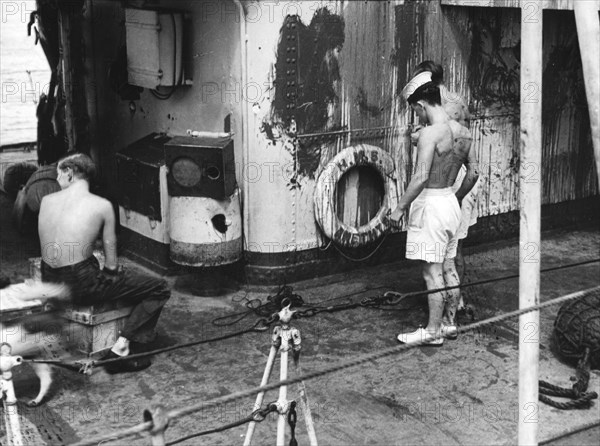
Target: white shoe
449	331
121	347
421	336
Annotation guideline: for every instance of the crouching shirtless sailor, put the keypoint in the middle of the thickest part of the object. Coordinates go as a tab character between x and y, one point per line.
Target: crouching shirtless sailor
70	222
444	146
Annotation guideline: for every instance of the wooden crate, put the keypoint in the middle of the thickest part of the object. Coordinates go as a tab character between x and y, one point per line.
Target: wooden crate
93	330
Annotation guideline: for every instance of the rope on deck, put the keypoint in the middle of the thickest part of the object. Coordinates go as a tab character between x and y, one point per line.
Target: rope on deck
176	413
389	298
578	395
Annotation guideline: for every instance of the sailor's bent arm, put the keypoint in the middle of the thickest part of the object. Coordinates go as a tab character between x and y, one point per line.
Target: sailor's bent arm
109	238
471	176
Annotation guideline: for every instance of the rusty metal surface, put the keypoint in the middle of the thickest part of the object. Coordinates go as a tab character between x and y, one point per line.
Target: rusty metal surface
206	254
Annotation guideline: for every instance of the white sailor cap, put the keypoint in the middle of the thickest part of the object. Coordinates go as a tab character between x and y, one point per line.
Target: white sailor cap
416	82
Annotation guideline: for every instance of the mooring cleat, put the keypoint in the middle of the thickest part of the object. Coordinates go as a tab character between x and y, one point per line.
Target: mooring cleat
286	314
86	366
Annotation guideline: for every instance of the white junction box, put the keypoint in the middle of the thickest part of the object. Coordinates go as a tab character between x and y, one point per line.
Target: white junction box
154	47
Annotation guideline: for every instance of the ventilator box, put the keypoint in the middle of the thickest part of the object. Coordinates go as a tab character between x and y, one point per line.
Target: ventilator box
200	166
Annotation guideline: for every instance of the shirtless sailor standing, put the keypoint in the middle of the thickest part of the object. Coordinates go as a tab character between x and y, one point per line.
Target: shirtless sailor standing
444	146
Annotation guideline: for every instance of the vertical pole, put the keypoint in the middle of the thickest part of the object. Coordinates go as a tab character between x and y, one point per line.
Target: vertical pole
7	393
64	24
245	124
71	35
305	407
13	424
530	207
91	91
282	395
261	395
588	34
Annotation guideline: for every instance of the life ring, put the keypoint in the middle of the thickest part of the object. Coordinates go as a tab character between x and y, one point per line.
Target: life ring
325	196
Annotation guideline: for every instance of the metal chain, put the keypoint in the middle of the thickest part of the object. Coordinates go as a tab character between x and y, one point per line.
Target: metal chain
394	298
263	324
388	298
292	422
258	416
285	295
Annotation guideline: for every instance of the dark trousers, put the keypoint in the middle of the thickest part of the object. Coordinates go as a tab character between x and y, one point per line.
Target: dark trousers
90	286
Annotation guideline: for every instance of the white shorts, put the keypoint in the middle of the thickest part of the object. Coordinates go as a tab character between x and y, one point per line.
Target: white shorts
432	226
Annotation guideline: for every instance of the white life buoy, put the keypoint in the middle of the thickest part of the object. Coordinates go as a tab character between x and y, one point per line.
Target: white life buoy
325	196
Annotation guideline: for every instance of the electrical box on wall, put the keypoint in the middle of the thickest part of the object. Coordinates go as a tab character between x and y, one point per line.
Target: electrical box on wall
154	47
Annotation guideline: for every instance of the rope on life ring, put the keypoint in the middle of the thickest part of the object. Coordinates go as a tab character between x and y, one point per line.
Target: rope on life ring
325	196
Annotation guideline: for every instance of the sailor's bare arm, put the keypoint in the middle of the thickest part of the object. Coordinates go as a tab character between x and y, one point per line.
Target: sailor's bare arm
425	151
109	237
471	176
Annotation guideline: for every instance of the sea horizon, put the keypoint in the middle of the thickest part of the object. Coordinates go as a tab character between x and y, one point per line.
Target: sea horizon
24	74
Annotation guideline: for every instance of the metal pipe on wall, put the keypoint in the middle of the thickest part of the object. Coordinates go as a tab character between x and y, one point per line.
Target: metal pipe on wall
90	84
530	215
64	24
588	34
245	123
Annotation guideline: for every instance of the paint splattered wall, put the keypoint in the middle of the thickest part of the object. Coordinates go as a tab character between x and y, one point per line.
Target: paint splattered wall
321	76
292	56
367	56
493	80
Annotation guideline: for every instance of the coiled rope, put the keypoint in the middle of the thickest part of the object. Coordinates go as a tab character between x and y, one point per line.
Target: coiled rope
580	398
